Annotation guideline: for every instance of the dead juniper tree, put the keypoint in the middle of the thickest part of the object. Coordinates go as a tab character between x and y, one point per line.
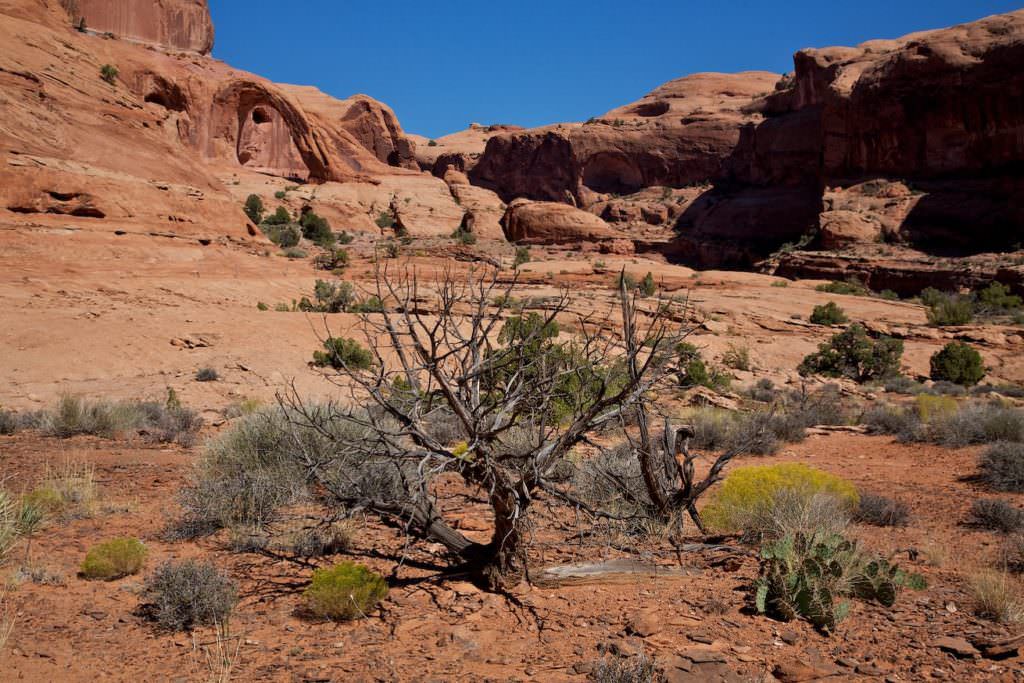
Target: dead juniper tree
464	384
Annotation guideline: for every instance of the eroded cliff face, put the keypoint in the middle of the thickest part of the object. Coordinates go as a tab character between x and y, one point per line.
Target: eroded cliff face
170	24
175	142
936	119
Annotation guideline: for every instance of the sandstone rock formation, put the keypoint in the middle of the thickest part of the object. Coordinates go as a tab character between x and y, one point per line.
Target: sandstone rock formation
169	145
172	24
460	150
677	135
529	222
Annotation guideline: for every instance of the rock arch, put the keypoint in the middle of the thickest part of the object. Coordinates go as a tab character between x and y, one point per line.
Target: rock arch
265	130
612	173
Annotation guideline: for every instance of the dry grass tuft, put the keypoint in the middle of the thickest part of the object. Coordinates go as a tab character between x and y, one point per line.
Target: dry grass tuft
998	596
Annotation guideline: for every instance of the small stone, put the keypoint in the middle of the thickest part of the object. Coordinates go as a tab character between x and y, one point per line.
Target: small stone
645	623
957	646
702	655
951	607
790	637
848	662
701	638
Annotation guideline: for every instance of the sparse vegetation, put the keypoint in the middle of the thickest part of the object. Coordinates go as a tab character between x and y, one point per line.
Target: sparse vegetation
693	371
997	596
295	253
316	229
385	221
345	591
855	355
254	208
947	309
881	511
114	559
737	357
207	375
850	287
465	237
938	422
182	595
344	353
1002	467
828	314
959	363
647	286
522	256
997	515
109	73
748	499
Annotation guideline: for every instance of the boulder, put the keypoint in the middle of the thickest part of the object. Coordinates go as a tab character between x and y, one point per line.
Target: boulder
529	222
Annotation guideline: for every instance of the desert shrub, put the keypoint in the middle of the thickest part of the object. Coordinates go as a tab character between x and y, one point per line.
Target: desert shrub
647	285
207	375
636	669
254	208
295	253
371	304
944	388
996	515
285	236
1010	390
976	423
748	494
331	297
853	354
344	237
522	256
881	511
756	433
822	407
997	596
109	73
385	220
186	594
885	418
737	357
463	236
612	481
68	492
260	306
342	352
888	295
763	391
319	541
693	371
850	287
710	428
74	415
949	309
8	523
959	363
392	249
245	475
332	259
1013	553
316	229
9	422
280	194
996	298
828	314
281	216
808	574
930	407
345	591
170	421
901	384
1002	467
114	559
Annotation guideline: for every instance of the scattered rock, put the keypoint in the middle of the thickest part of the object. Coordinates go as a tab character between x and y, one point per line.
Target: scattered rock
958	647
645	623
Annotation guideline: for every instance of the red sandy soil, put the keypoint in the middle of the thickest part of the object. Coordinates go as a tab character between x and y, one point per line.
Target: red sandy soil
448	630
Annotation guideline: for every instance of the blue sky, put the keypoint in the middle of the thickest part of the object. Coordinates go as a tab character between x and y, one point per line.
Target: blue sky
442	65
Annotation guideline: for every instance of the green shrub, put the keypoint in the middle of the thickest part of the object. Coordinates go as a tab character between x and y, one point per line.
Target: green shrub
284	236
392	249
114	559
850	287
522	256
737	357
186	594
748	493
463	236
254	208
976	423
316	229
343	352
280	217
345	591
385	220
828	314
344	237
371	304
693	371
332	259
280	194
647	285
949	309
260	306
959	363
295	253
109	73
1002	467
855	355
996	298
